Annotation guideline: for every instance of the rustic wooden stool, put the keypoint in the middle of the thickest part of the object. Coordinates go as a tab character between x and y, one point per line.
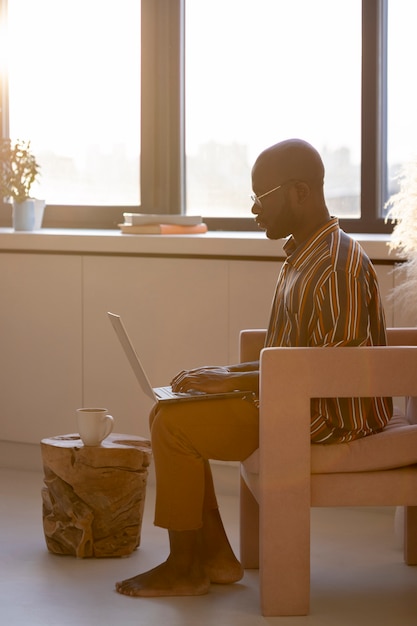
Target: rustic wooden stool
94	496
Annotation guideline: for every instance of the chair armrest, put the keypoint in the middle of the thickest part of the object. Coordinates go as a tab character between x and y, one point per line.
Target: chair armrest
405	336
289	378
251	342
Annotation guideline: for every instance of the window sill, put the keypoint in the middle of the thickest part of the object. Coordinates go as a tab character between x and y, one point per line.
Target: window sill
224	244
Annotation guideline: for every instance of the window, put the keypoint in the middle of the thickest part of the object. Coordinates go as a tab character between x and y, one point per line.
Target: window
402	88
74	92
179	96
259	72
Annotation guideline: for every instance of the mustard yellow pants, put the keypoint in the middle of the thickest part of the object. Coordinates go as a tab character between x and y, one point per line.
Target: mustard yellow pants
184	436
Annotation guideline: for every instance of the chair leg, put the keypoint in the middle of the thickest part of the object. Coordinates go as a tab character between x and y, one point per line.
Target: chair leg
410	535
284	552
249	528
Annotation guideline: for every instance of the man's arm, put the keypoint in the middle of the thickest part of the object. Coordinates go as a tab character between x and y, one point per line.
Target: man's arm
250	366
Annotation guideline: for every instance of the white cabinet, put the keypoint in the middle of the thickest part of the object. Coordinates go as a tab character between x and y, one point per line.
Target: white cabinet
40	345
58	350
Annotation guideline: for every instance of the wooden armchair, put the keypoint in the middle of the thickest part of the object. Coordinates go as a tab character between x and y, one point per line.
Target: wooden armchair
287	474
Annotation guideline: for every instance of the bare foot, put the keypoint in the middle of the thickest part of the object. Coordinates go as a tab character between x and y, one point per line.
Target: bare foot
220	563
165	580
224	569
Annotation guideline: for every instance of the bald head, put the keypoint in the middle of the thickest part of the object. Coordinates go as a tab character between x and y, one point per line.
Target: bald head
287	179
290	160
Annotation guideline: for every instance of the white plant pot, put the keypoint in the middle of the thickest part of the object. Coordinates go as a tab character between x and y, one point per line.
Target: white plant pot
24	215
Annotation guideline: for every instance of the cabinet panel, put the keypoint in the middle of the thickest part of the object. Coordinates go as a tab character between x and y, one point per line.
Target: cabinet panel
40	338
176	313
386	282
252	287
404	310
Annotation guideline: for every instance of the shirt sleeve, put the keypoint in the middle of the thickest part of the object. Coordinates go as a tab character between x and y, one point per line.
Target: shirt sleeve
343	311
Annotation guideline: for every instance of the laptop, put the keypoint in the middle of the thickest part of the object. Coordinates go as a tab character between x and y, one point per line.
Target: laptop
160	394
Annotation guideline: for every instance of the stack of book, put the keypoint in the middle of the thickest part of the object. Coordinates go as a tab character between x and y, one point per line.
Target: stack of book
160	224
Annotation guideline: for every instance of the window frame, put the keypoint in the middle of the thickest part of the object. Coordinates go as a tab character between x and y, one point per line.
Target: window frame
162	159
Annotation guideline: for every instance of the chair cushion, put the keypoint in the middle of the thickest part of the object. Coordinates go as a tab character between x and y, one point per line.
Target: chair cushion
395	446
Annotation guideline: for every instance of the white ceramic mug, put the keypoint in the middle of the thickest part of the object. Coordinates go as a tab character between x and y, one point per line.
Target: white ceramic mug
94	425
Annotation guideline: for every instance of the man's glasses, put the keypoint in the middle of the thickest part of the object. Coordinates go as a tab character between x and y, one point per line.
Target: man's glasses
257	199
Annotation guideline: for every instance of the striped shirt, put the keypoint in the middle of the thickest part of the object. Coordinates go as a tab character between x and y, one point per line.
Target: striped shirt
327	295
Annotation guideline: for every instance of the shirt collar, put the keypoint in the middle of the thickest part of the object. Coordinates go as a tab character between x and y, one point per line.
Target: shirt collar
296	253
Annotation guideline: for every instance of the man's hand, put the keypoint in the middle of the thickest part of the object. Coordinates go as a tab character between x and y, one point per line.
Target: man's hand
215	379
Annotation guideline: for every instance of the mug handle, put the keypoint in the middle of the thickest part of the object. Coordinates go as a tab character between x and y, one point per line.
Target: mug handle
109	425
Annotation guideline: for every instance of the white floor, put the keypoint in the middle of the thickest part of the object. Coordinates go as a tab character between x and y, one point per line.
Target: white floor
358	575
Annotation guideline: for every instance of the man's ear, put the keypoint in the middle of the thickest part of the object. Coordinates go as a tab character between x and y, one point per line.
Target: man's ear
303	190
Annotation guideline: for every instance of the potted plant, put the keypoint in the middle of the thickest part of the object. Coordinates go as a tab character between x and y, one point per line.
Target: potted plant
403	213
19	170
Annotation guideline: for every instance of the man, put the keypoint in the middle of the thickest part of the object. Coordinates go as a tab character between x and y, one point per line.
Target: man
327	295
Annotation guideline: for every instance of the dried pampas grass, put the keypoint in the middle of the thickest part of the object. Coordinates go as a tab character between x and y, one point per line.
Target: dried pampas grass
403	212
